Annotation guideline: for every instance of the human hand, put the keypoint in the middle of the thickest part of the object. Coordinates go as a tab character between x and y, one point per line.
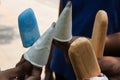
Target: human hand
28	71
110	66
112	44
23	71
13	73
9	74
65	46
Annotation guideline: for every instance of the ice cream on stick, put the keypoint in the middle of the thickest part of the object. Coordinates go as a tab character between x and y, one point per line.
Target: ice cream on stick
99	32
83	59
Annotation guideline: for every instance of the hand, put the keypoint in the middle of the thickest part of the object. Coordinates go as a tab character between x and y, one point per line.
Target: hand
28	71
65	46
23	71
110	66
112	44
9	74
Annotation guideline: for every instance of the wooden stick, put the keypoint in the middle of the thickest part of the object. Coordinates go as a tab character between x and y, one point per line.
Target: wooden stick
99	32
83	59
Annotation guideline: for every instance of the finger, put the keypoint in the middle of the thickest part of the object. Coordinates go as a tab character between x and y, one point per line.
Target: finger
110	65
74	38
67	59
36	73
33	78
21	77
22	60
23	70
49	76
24	67
9	74
62	45
117	77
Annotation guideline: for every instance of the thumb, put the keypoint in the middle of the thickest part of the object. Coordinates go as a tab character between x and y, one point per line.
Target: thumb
36	74
22	60
23	68
110	65
8	74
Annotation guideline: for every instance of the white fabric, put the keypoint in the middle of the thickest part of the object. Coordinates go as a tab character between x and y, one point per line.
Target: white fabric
63	31
39	52
103	77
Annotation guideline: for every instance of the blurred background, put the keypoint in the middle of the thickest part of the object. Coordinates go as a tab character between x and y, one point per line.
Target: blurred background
11	48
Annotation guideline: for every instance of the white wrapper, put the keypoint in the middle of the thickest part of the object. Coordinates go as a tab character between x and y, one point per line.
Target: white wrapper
63	31
39	52
102	77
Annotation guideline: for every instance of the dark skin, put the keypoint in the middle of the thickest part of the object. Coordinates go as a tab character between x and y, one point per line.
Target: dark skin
30	72
111	67
23	71
113	44
65	46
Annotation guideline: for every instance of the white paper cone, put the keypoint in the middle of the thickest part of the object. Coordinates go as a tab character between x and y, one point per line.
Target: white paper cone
63	31
39	52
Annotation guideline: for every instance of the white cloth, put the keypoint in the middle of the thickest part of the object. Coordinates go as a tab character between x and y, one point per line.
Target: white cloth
63	31
38	54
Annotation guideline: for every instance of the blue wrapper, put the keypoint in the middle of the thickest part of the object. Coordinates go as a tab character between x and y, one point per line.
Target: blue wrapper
28	27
